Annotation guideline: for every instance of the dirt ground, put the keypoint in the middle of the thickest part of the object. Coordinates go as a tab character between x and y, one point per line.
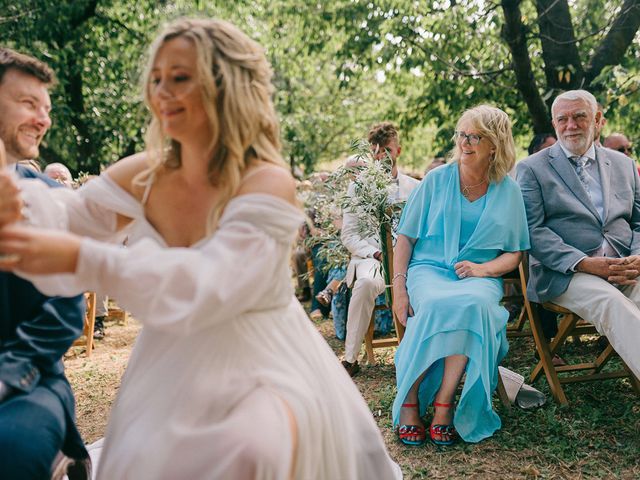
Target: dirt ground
96	379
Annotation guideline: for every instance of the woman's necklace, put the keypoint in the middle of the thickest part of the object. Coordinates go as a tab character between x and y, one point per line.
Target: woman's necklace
466	189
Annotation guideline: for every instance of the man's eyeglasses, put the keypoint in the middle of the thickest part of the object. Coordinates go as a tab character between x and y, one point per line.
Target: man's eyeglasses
472	138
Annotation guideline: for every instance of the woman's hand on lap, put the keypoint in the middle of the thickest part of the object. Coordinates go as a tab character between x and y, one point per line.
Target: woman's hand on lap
466	269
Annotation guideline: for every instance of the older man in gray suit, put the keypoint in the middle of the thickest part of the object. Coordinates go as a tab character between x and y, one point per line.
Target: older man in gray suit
583	209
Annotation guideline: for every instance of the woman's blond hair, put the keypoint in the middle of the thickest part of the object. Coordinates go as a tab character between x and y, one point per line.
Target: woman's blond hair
236	88
493	125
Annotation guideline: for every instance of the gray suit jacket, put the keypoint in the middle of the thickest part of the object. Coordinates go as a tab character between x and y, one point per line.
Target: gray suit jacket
563	223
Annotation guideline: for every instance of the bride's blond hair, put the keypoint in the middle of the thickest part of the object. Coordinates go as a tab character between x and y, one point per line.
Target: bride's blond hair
236	88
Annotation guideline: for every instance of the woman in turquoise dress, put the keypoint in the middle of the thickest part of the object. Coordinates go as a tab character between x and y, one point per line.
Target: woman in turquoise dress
461	230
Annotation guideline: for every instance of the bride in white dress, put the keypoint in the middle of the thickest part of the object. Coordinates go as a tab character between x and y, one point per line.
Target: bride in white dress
228	378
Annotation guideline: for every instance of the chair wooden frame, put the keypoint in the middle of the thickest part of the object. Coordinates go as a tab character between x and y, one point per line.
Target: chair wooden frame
369	342
570	324
517	328
89	324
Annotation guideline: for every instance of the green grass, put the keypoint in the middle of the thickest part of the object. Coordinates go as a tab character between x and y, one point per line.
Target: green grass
596	436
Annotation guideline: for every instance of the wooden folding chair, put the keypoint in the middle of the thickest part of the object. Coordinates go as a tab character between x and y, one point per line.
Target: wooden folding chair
119	315
569	324
514	286
387	265
89	324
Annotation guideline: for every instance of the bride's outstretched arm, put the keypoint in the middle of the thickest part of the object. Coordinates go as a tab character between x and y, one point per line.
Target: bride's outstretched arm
177	289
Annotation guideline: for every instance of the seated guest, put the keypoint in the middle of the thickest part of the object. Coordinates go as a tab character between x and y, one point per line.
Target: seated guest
461	229
583	210
540	141
299	260
60	173
36	401
618	142
102	313
364	272
437	162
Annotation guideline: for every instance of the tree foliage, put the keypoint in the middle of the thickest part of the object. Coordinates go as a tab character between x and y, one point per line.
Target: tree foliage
340	65
445	56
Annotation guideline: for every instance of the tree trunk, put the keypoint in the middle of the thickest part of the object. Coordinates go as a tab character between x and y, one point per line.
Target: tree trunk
73	90
562	66
514	34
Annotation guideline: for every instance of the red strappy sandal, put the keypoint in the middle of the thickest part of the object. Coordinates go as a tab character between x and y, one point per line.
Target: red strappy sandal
441	430
408	431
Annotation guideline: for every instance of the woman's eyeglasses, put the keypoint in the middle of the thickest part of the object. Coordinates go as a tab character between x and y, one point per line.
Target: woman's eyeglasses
472	138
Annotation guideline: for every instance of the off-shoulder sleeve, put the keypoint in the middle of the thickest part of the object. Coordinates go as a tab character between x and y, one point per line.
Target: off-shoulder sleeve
92	210
186	289
89	211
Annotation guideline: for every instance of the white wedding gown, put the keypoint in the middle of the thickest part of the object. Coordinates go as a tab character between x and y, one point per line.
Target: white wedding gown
225	349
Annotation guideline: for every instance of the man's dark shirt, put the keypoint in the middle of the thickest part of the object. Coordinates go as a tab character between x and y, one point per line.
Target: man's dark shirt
35	332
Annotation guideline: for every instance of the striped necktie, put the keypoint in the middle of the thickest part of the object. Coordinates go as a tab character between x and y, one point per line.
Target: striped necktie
581	169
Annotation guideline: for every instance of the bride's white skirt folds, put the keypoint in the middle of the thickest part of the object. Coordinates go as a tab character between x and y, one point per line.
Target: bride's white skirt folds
225	355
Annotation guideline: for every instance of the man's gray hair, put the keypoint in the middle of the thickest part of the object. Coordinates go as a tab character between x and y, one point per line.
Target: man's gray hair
573	95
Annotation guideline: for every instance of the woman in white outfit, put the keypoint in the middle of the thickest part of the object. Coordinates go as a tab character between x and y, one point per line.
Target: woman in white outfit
228	379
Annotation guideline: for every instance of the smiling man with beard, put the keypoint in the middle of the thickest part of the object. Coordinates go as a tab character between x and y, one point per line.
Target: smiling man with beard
583	211
36	401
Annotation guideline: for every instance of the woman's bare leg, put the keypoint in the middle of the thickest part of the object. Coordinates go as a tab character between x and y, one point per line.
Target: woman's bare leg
454	367
411	415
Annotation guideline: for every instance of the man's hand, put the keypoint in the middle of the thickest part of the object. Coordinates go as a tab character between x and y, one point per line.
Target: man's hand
621	271
598	266
378	256
626	272
10	200
466	269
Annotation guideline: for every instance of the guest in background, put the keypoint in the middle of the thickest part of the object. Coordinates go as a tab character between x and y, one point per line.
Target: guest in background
583	210
618	142
60	173
364	270
437	162
540	141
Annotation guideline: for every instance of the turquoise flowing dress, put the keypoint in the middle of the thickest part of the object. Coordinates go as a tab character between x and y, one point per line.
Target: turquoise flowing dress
452	315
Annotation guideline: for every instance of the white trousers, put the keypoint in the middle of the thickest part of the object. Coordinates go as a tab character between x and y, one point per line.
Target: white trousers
613	311
368	285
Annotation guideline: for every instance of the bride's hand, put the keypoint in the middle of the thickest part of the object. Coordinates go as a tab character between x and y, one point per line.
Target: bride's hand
10	200
38	251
